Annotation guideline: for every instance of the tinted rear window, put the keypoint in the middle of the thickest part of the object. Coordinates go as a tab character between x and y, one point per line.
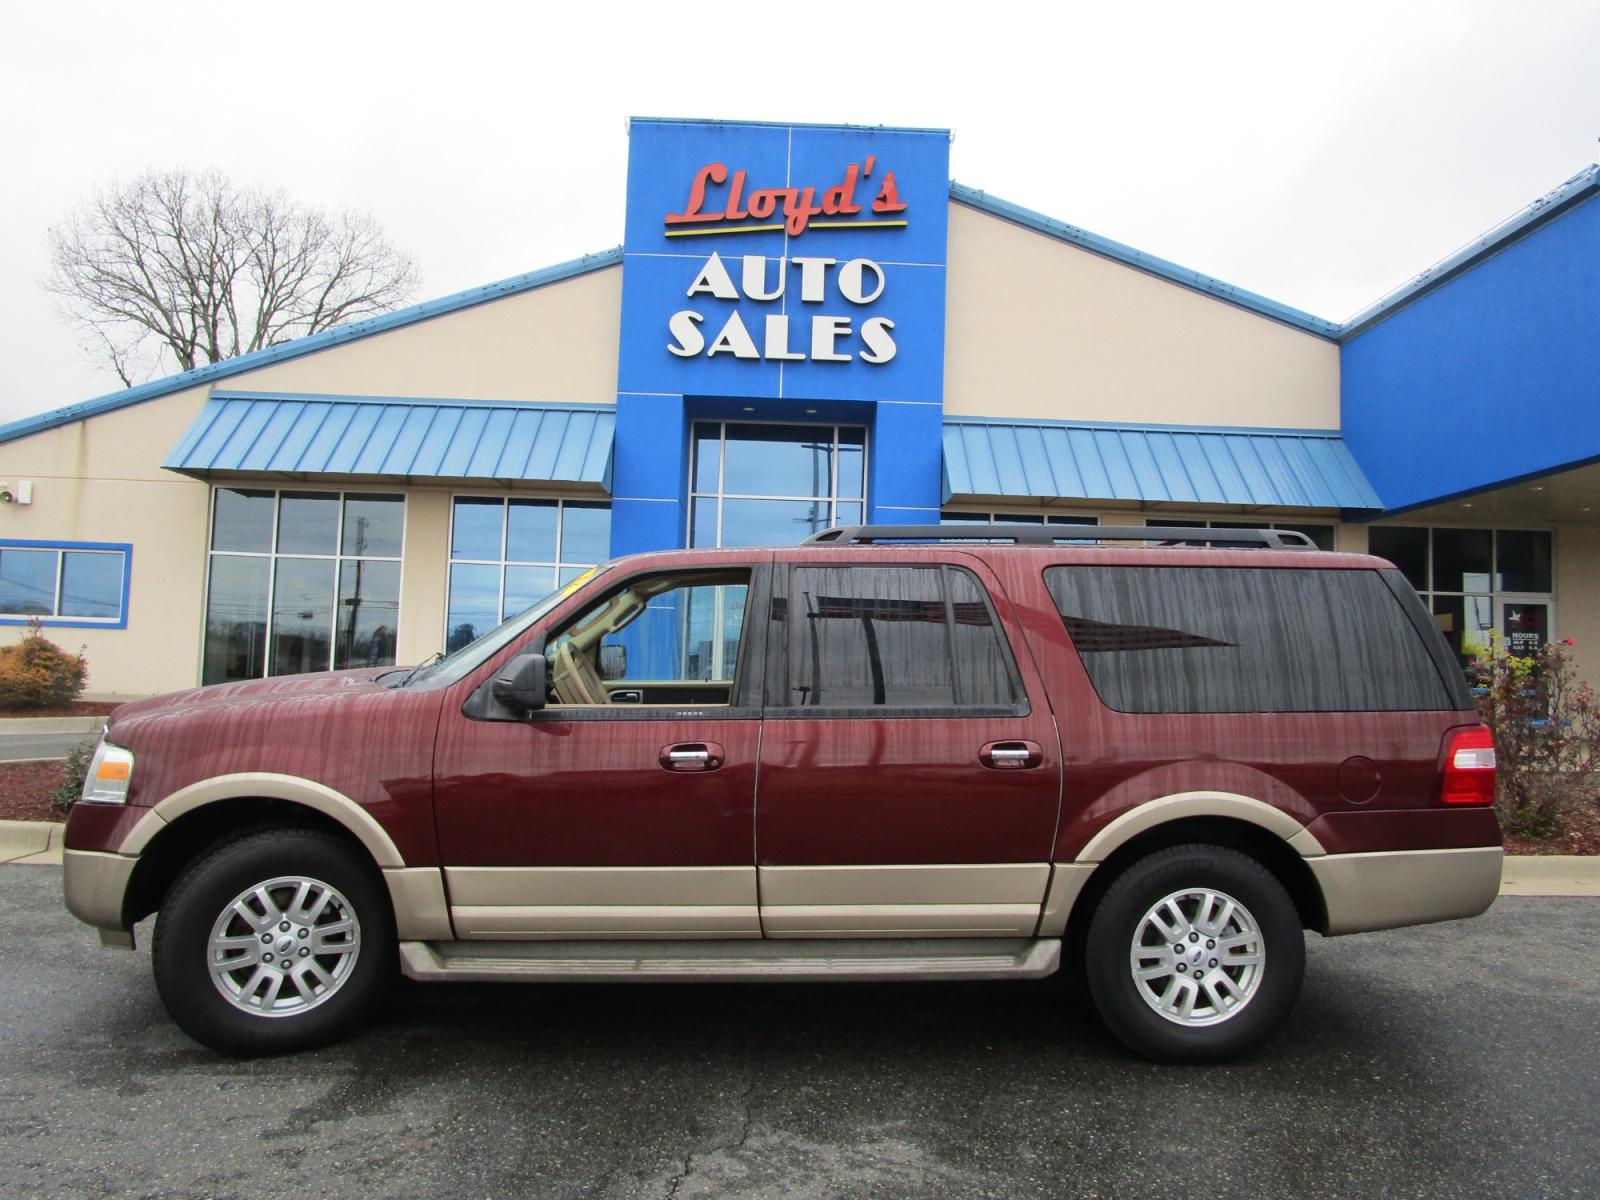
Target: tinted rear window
1230	639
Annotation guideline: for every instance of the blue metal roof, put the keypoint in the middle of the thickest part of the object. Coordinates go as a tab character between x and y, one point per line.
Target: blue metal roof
336	336
397	438
1184	464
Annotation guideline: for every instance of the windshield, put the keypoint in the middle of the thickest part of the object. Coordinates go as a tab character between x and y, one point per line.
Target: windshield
453	666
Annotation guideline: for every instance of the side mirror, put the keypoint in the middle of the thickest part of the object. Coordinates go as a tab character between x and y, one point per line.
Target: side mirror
522	684
613	662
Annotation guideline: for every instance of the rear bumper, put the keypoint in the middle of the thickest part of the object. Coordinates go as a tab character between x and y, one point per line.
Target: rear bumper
96	884
1391	888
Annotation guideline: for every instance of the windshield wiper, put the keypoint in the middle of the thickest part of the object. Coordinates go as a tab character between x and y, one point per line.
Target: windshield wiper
427	662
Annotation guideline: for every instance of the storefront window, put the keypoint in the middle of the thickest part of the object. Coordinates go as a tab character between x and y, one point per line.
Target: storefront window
506	554
1321	535
1479	584
952	517
68	584
773	485
301	581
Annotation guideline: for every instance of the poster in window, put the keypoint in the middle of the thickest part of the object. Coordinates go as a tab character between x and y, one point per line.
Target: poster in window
1527	628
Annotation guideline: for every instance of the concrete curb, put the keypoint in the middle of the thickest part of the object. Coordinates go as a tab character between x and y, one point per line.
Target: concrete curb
1550	875
31	843
84	725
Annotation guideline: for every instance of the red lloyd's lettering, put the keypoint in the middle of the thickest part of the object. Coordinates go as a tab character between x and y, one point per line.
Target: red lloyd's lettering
798	204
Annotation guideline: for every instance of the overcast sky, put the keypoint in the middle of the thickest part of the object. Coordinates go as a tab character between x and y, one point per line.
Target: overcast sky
1317	154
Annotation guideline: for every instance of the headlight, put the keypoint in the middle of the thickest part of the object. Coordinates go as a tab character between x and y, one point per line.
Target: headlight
109	772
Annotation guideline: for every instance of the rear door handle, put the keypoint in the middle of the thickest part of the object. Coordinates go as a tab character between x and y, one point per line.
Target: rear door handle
1011	756
692	756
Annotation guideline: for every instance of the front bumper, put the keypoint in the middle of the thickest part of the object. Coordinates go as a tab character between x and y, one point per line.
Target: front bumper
1390	888
96	884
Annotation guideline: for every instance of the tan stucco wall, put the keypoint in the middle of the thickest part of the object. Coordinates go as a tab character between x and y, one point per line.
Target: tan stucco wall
1037	328
556	344
101	481
1577	554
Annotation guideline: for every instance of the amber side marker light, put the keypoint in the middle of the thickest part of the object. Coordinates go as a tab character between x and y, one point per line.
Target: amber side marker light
1469	767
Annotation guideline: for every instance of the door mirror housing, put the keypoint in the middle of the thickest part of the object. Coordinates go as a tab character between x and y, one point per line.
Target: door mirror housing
522	684
613	662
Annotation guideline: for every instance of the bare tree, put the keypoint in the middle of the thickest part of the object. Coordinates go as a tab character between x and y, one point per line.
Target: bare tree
189	263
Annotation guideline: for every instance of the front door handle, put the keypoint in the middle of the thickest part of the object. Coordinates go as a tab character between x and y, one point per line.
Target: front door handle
1011	756
692	756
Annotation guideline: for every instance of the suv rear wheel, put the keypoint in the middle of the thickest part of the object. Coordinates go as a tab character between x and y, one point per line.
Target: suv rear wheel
275	941
1195	953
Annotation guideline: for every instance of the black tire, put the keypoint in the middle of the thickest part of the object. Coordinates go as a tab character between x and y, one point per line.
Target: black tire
208	888
1119	918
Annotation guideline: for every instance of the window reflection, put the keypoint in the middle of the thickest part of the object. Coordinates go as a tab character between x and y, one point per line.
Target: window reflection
509	552
309	581
773	484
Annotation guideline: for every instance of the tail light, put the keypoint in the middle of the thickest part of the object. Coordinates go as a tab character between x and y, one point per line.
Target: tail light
1468	767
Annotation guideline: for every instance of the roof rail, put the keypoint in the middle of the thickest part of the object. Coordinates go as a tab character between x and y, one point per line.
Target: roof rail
1049	535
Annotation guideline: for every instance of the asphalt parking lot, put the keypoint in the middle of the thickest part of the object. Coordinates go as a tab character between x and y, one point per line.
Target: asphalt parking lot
1455	1060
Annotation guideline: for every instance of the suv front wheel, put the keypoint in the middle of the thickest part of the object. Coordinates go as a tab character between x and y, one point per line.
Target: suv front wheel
278	940
1195	953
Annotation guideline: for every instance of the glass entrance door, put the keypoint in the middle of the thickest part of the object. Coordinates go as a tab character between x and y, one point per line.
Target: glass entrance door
756	484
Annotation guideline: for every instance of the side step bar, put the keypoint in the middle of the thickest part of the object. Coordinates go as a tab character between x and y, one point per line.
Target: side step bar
751	961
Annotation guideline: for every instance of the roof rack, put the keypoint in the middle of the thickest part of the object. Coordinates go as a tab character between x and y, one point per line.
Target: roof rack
1049	535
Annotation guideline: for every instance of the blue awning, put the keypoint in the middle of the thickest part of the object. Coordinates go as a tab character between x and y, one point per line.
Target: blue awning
1269	468
304	436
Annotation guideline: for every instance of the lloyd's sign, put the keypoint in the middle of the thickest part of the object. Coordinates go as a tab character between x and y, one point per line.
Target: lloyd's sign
860	281
801	261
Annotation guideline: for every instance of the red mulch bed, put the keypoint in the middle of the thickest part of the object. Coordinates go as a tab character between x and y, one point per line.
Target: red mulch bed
25	789
78	708
1580	835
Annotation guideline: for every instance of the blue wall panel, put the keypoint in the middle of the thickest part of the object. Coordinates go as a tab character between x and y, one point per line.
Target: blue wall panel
1492	377
905	237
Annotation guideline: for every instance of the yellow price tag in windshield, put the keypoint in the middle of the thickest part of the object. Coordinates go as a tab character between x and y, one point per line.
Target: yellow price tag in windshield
578	582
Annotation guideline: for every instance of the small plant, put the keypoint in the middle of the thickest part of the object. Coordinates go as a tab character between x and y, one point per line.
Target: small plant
37	673
62	798
1546	725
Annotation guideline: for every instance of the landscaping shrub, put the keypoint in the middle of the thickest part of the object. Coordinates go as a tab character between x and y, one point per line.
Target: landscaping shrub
76	772
1546	724
37	673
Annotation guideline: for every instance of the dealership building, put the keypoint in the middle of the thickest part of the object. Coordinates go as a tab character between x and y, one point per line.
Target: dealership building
808	326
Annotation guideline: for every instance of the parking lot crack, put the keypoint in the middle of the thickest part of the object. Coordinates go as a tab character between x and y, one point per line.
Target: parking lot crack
746	1121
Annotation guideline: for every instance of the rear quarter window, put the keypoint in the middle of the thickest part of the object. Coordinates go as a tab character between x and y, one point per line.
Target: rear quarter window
1237	639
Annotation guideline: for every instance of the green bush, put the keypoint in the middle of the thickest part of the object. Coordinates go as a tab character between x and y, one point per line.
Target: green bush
1546	724
64	797
37	673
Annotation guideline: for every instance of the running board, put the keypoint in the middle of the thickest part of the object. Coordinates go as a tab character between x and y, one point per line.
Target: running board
744	961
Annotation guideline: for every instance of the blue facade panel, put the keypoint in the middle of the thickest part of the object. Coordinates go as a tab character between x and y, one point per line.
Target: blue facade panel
1491	377
777	271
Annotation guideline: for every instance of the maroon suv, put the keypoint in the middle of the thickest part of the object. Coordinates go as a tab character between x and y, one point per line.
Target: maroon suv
880	754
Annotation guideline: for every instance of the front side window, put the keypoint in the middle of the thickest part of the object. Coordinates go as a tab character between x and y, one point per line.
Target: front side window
661	639
1230	639
506	553
888	637
301	581
63	584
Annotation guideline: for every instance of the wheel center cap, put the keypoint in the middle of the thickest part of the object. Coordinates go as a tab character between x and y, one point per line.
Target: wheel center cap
285	945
